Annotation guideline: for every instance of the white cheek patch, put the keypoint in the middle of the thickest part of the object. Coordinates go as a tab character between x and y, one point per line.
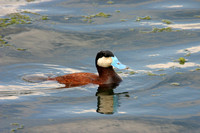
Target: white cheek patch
104	61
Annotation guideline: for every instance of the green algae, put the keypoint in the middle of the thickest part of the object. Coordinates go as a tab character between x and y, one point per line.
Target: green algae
17	126
132	72
167	29
123	20
110	2
158	30
16	19
102	14
167	21
28	12
44	18
118	11
153	74
90	17
181	60
143	18
179	73
197	16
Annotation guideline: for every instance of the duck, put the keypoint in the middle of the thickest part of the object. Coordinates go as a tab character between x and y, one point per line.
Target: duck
105	62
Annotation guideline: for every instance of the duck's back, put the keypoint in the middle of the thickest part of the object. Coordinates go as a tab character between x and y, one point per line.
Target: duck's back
77	79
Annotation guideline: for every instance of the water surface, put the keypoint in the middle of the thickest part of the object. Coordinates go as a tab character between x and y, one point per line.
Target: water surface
162	96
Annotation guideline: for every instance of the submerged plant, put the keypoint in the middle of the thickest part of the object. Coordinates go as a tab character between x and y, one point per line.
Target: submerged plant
110	2
182	60
167	29
167	21
143	18
44	17
90	17
15	19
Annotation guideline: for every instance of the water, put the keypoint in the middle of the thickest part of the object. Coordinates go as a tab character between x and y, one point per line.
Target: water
162	96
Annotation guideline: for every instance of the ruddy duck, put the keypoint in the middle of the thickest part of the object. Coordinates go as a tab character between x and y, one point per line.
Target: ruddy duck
105	61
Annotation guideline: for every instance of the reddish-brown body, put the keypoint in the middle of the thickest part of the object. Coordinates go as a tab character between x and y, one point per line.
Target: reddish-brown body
106	76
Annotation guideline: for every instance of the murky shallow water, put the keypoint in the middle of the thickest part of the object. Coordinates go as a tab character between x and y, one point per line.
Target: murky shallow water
163	95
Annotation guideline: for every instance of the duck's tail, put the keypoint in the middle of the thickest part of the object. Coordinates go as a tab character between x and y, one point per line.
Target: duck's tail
36	78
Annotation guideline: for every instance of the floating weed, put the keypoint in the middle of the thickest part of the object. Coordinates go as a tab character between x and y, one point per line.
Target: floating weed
131	29
14	124
197	16
167	29
181	60
197	69
143	18
17	125
157	30
179	73
175	84
167	21
123	20
161	70
90	17
132	72
20	49
118	11
19	16
15	19
153	74
110	2
102	14
28	12
44	17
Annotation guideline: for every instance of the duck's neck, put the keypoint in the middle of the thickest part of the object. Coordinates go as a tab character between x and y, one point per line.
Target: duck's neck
108	75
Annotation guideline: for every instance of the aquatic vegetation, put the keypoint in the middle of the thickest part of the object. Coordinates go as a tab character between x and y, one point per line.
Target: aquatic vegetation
131	29
167	29
143	18
2	41
132	72
90	17
28	12
110	2
197	69
182	60
17	125
102	14
153	74
167	21
44	18
179	73
123	20
118	11
175	84
197	16
156	30
15	19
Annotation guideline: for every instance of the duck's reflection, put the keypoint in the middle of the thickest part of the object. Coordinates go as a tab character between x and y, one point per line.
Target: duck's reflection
107	100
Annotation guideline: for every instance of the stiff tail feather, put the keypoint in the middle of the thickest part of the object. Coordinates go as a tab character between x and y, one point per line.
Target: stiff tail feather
37	78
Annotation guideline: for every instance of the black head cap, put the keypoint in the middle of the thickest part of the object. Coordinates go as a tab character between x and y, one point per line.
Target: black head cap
105	53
